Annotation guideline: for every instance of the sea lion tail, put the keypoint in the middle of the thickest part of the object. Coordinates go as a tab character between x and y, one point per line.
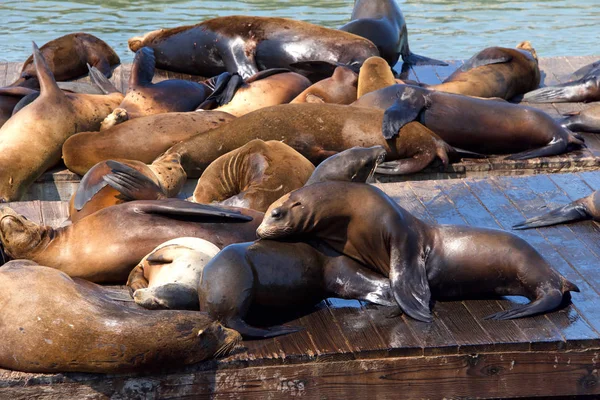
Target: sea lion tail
44	74
415	59
548	301
571	92
575	211
131	183
101	81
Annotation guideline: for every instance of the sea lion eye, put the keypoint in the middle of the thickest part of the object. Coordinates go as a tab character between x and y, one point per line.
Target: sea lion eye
296	204
276	213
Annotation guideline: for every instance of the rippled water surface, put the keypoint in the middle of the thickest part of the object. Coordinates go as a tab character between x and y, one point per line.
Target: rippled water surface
443	29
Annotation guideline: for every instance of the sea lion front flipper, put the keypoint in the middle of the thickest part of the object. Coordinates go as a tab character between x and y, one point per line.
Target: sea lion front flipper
492	55
131	183
248	331
409	282
575	211
101	81
179	208
406	109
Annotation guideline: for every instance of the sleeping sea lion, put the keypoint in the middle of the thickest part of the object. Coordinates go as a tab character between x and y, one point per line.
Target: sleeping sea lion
340	88
421	260
106	245
248	44
71	325
32	140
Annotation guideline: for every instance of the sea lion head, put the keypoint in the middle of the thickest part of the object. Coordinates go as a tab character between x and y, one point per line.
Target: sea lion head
18	235
526	45
227	339
357	164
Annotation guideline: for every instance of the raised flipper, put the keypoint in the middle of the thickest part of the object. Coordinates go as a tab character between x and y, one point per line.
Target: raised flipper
131	183
248	331
225	87
182	208
48	86
25	101
102	81
547	302
492	55
406	109
142	70
575	211
90	184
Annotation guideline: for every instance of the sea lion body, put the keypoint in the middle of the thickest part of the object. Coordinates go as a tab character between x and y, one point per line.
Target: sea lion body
282	274
40	129
478	125
246	45
70	325
105	246
419	258
340	88
68	57
253	176
141	139
587	120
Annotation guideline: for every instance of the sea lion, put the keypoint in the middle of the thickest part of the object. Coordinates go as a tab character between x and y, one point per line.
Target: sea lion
581	209
478	125
145	98
382	22
340	88
316	131
253	176
68	57
587	120
164	178
495	72
248	44
374	74
32	140
70	325
448	261
583	87
282	274
9	98
142	139
106	245
169	276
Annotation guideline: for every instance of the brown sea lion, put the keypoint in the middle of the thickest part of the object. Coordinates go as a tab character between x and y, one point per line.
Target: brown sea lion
316	131
382	22
51	323
282	274
145	98
165	175
340	88
105	246
253	176
169	276
248	44
32	140
142	139
587	120
68	57
448	261
583	87
478	125
374	74
582	209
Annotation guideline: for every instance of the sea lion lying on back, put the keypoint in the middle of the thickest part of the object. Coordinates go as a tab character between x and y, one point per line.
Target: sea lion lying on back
420	259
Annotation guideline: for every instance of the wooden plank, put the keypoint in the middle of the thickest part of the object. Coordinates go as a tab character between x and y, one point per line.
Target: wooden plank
426	74
444	72
3	70
29	209
54	213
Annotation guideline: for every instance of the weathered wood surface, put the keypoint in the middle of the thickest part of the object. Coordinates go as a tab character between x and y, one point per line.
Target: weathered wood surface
60	183
350	349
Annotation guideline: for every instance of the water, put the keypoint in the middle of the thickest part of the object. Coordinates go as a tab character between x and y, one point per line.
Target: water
442	29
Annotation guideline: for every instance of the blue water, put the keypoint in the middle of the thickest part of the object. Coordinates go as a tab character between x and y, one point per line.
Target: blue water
442	29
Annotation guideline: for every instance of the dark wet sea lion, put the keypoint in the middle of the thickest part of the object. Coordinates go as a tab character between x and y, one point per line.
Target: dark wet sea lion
280	274
340	88
316	131
68	57
253	176
247	44
587	120
32	140
142	139
584	87
353	165
382	22
581	209
51	323
421	260
145	98
496	72
105	246
478	125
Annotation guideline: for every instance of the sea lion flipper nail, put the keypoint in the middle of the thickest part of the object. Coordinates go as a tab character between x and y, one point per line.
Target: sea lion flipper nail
401	113
492	55
176	207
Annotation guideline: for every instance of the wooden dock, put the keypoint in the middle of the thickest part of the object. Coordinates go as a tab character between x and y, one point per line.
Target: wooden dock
349	349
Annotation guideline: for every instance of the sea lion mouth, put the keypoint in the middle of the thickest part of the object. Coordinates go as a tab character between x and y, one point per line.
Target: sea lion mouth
270	232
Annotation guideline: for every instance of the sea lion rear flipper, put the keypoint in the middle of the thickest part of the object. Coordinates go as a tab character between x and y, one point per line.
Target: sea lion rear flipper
547	302
492	55
225	88
176	207
142	70
404	110
25	101
409	283
415	59
131	183
569	213
248	331
101	81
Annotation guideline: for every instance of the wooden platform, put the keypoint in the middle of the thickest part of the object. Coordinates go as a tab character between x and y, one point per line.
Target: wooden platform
60	183
348	349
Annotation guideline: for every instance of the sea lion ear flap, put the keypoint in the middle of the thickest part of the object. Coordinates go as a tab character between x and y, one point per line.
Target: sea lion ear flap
400	114
410	286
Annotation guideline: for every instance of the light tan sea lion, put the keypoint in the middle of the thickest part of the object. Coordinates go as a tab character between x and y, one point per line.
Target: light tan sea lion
340	88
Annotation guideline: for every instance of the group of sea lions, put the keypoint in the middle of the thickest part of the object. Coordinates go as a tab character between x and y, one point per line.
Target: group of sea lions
294	174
